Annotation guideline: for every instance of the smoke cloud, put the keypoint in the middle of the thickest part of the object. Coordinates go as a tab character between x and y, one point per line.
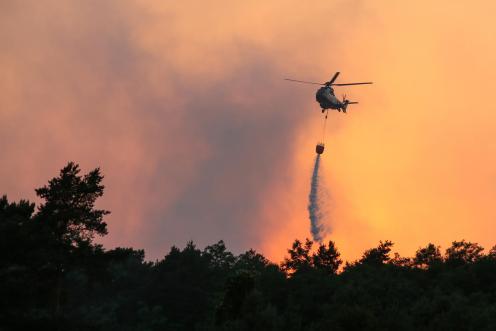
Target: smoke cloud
199	138
192	127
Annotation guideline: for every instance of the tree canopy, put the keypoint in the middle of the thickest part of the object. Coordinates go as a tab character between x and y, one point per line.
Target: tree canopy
53	275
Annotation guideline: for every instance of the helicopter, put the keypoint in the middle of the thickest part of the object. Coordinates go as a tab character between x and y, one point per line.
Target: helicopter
325	95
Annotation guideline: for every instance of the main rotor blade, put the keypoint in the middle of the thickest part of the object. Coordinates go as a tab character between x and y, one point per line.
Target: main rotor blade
352	84
333	78
302	81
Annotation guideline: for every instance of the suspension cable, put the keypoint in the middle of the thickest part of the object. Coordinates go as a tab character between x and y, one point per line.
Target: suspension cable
324	128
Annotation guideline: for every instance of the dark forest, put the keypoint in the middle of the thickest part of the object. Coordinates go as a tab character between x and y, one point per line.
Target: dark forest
55	276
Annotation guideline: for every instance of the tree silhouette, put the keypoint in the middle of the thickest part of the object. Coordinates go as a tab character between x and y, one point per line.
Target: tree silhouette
14	230
18	260
327	258
299	257
427	256
68	219
462	252
54	276
492	253
68	210
378	255
251	261
219	256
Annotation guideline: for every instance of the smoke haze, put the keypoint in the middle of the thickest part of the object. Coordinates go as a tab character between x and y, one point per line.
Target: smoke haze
185	110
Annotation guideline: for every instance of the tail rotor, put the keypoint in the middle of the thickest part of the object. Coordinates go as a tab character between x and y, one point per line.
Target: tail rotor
345	103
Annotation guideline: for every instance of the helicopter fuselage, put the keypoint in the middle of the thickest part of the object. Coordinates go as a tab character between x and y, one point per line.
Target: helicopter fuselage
326	98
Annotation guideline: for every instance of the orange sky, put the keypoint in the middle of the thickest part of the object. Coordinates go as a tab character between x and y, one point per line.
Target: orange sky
184	108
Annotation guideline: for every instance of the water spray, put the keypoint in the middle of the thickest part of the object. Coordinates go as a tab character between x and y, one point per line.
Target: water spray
314	209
